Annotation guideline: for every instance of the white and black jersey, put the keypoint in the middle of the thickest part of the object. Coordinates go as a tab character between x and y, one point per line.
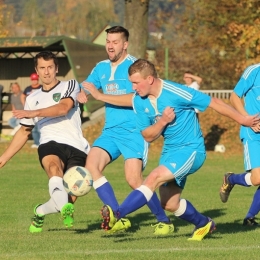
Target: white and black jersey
63	129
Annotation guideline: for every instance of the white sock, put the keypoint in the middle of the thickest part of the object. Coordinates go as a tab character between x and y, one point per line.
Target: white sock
248	179
57	192
47	208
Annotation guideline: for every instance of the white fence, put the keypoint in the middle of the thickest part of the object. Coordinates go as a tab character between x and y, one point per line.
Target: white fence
221	94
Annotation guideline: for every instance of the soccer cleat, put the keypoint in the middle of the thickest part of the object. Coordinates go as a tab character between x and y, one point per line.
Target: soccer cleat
199	233
67	214
226	188
121	225
163	228
37	221
249	222
109	219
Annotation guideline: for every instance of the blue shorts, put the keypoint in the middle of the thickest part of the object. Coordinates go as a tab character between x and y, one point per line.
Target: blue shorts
182	163
128	144
251	154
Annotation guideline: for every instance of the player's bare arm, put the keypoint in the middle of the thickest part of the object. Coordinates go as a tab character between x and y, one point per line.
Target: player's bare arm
152	132
60	109
117	100
232	113
82	97
18	141
238	104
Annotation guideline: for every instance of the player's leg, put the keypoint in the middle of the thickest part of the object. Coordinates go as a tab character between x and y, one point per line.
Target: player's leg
134	177
254	208
101	154
182	164
246	179
53	158
138	197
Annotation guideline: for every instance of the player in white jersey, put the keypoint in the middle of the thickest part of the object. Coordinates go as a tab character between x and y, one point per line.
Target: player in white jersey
246	99
55	110
119	136
167	108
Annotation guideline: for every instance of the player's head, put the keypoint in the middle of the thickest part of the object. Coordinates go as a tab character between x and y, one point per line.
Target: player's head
142	74
46	66
116	43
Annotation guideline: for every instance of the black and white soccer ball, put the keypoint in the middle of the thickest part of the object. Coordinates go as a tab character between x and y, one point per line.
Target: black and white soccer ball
77	181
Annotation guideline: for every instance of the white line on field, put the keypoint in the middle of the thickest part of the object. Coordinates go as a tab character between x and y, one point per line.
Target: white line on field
123	251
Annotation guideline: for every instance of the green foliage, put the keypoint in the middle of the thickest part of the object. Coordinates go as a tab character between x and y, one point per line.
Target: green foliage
214	39
24	184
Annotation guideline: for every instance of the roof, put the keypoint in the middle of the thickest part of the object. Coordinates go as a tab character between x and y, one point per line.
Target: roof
82	55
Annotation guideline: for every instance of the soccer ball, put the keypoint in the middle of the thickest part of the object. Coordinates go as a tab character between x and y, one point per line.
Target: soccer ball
77	181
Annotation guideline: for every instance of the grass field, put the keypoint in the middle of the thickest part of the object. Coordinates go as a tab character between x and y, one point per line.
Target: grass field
24	184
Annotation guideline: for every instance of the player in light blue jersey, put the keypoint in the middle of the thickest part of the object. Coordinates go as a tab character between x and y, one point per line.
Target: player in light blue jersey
248	89
119	136
167	108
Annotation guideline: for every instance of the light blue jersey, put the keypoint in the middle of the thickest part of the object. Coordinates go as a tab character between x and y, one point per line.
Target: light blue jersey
114	80
184	130
184	150
120	135
248	87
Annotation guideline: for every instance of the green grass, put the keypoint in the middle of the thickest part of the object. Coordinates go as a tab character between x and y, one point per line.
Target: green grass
24	184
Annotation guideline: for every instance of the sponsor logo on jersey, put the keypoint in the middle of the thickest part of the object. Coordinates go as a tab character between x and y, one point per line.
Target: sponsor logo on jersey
113	88
104	76
56	97
146	110
258	98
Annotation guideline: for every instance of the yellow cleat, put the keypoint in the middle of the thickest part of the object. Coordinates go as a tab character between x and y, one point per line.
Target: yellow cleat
199	233
162	228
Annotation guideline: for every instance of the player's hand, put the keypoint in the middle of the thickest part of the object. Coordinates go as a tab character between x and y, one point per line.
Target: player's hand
82	97
252	121
256	128
24	114
2	162
91	89
168	115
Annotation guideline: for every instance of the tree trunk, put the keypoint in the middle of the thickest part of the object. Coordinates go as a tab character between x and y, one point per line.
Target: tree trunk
136	21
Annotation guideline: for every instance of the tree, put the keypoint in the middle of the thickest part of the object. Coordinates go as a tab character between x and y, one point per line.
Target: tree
136	21
6	13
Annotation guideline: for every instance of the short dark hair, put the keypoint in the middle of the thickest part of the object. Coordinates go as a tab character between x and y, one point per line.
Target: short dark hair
46	55
119	29
144	67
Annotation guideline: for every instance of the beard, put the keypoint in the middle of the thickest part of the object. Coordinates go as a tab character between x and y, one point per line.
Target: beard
116	57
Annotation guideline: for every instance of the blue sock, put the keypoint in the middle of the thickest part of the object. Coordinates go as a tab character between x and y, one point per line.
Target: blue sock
193	216
255	206
134	201
155	207
107	195
238	179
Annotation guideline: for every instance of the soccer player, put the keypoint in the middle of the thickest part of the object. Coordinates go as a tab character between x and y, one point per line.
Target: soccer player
55	110
119	136
247	89
166	108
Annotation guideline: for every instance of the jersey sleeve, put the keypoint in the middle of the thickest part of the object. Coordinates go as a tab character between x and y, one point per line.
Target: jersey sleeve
246	81
72	90
142	120
94	78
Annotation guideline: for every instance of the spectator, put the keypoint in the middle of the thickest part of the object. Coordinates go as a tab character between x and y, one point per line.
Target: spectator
16	102
35	85
192	81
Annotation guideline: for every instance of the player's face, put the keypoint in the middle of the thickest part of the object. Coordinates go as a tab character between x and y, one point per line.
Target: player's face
141	85
116	47
46	70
